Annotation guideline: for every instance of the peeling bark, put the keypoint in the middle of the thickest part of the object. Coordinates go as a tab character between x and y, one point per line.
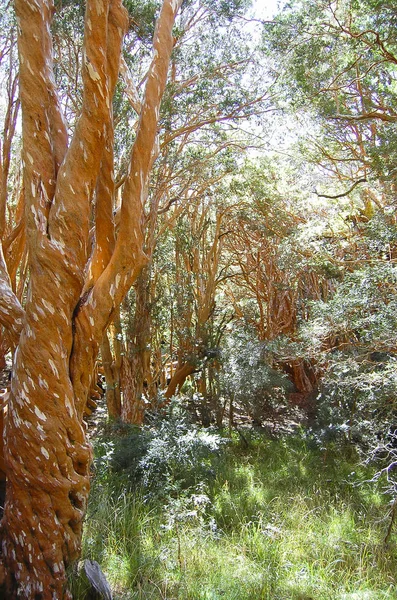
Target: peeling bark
58	333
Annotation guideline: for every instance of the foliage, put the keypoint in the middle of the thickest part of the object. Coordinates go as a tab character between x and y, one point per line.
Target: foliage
351	338
168	457
336	62
247	377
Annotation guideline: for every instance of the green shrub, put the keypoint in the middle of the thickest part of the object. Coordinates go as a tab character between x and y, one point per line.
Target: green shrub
167	457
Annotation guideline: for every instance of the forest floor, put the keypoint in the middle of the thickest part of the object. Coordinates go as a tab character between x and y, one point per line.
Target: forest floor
182	513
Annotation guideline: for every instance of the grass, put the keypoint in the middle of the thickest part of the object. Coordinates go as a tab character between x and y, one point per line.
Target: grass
280	520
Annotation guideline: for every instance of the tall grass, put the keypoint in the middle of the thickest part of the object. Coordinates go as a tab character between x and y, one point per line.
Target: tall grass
278	520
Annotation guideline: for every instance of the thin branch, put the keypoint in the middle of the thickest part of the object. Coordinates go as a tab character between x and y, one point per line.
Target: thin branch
344	193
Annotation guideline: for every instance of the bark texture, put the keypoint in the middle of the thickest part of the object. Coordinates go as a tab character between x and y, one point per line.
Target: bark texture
58	332
136	371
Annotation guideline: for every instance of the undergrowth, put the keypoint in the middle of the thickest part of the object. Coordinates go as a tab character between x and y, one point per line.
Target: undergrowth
185	514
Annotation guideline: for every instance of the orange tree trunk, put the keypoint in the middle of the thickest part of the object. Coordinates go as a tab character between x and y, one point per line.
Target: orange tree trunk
58	332
178	379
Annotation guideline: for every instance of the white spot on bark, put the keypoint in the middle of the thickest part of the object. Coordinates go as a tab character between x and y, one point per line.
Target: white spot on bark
59	245
53	368
55	347
40	415
44	453
30	68
92	72
43	383
49	306
30	157
69	407
40	311
24	396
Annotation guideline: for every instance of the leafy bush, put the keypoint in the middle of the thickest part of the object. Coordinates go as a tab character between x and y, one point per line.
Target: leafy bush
351	338
248	378
167	457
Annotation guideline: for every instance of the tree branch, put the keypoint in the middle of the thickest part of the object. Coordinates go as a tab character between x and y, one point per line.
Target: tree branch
367	116
364	180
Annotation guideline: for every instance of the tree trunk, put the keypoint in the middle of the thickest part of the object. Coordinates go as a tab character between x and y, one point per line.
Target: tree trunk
112	367
136	372
178	379
47	460
58	333
300	378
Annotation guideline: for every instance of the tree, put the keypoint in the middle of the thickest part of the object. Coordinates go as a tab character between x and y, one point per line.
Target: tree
197	148
198	274
274	272
12	236
72	295
336	62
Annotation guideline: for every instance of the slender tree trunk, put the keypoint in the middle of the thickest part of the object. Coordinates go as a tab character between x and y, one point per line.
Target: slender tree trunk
136	372
300	378
178	379
112	379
